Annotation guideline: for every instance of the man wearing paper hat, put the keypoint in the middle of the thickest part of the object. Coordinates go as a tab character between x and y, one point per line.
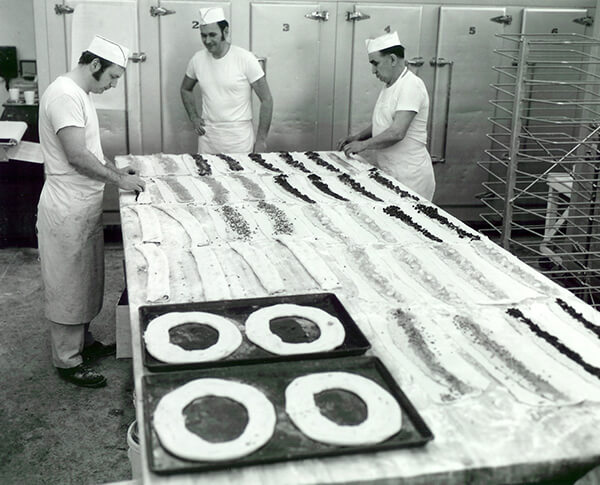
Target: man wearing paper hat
396	139
226	75
69	222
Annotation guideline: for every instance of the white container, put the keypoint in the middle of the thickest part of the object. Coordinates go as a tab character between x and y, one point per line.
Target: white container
13	94
133	452
29	97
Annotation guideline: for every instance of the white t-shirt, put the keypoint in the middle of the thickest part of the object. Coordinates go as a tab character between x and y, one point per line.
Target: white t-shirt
65	104
408	160
225	83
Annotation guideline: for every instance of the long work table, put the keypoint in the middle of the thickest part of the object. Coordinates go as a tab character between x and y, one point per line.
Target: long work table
502	364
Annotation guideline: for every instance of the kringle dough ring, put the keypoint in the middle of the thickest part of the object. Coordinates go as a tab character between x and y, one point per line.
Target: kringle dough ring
169	422
160	347
259	332
384	417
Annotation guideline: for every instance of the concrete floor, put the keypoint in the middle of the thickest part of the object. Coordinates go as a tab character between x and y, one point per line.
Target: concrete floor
52	432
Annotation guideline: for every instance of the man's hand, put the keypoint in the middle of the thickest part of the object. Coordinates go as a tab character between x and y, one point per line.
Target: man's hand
344	141
354	147
131	183
199	126
128	171
260	146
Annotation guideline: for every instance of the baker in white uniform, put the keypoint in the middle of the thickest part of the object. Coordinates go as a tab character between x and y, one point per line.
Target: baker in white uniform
226	75
69	220
397	135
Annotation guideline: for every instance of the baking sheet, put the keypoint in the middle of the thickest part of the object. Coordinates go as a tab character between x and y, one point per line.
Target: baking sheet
355	343
287	442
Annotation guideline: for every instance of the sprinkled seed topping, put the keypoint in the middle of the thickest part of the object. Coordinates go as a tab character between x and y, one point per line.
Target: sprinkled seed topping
251	186
168	163
395	211
428	279
479	337
358	187
279	218
370	224
428	357
433	213
475	276
220	193
282	180
236	222
181	192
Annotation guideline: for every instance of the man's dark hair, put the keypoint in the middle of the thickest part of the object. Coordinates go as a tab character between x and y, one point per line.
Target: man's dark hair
87	57
223	24
398	50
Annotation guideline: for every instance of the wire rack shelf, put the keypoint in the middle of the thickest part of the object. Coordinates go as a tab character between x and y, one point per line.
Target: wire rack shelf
543	165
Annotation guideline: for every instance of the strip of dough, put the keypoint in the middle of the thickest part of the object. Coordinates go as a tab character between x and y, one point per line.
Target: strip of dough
312	261
193	188
145	166
166	192
190	224
214	282
151	231
157	283
189	163
261	265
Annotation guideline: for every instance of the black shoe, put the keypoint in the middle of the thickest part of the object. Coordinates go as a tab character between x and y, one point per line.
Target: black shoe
82	376
97	350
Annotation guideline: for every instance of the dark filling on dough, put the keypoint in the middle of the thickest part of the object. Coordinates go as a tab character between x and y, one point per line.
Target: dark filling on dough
358	187
342	407
295	330
395	211
216	419
381	180
193	336
315	157
283	181
433	213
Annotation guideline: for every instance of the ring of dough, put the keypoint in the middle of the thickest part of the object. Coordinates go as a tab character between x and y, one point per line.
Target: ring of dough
384	417
169	422
159	345
259	332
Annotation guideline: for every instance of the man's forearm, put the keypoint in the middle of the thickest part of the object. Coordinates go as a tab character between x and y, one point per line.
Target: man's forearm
364	134
88	164
189	103
385	139
264	119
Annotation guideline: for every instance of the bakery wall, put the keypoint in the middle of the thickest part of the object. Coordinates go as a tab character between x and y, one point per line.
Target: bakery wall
318	72
17	29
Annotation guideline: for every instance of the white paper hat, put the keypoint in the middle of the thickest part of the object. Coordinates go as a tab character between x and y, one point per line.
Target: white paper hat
211	15
109	50
382	42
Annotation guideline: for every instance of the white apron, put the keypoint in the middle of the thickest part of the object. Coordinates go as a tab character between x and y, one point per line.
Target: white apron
412	167
227	137
71	245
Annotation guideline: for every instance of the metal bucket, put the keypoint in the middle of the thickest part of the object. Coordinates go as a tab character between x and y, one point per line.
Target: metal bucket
133	452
